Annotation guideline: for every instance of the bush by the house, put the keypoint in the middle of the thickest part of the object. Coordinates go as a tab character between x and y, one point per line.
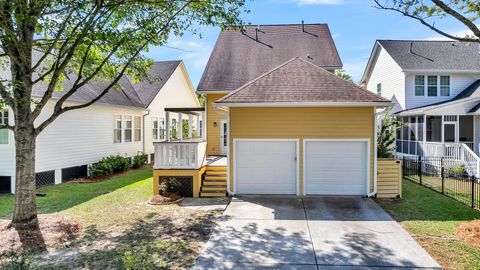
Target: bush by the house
139	160
110	165
169	186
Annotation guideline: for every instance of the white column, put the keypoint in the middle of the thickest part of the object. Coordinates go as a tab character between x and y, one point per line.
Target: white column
58	176
190	129
204	125
180	126
167	126
457	130
424	127
197	131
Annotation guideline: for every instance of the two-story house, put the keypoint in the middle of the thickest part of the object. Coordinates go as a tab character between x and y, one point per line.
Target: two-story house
435	90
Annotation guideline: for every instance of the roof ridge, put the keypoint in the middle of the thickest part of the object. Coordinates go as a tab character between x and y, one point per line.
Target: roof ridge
256	79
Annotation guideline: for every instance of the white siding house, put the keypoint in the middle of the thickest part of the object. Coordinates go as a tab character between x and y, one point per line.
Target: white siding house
121	123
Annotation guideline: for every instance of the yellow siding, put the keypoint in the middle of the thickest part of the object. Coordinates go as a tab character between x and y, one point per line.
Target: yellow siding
389	179
195	174
303	122
213	132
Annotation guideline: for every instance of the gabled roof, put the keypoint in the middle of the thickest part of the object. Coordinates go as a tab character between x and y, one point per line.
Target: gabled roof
132	95
429	55
470	93
239	58
300	81
433	55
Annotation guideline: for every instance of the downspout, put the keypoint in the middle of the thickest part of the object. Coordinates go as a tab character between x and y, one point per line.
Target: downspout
143	130
375	132
225	112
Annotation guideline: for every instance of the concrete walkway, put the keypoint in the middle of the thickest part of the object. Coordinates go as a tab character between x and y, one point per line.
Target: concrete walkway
310	233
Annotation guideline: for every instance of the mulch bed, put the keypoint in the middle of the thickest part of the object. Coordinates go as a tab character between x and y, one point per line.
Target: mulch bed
57	230
469	232
108	177
170	198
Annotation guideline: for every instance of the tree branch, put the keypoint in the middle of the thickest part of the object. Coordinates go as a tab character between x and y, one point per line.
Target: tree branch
458	16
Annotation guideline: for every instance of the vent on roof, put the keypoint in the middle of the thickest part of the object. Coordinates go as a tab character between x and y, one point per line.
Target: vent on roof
303	26
256	32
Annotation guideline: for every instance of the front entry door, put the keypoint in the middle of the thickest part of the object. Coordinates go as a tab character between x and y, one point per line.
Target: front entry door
223	137
449	132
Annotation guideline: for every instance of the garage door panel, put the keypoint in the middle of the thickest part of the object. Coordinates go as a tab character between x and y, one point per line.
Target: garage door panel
265	167
336	167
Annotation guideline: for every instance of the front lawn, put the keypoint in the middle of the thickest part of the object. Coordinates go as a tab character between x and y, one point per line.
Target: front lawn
121	231
431	219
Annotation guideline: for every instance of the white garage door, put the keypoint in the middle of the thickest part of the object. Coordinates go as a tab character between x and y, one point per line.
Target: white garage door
336	167
265	167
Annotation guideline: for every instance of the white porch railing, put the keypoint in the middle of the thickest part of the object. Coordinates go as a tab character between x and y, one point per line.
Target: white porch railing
456	153
186	154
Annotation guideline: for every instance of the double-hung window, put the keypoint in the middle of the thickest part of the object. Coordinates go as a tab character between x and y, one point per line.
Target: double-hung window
432	87
155	128
127	133
117	132
379	89
138	128
4	121
444	86
419	85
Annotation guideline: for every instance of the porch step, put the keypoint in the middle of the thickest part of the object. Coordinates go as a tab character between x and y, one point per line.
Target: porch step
212	194
214	188
214	183
216	173
215	178
216	168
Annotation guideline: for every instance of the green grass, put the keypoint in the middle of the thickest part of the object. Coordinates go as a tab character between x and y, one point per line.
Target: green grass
121	231
432	218
68	195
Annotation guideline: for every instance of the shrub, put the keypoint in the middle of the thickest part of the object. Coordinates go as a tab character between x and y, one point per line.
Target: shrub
110	165
139	160
168	186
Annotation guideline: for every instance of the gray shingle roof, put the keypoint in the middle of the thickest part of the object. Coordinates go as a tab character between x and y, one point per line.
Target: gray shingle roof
133	95
299	80
238	58
433	55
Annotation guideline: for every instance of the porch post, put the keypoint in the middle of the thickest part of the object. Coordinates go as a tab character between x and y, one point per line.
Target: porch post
190	121
180	126
457	129
167	126
424	127
441	130
204	125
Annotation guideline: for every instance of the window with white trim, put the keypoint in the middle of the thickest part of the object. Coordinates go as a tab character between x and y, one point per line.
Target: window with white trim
117	132
138	128
127	132
379	89
4	121
432	87
158	128
155	128
444	86
419	85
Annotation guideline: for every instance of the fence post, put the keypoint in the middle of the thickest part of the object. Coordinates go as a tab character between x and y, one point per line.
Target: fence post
404	168
473	191
443	180
419	169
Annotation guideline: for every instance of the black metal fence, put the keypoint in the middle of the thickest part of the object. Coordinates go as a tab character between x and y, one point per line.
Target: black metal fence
452	182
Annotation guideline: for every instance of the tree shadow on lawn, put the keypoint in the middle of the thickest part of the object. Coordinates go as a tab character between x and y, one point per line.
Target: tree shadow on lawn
420	203
152	242
67	195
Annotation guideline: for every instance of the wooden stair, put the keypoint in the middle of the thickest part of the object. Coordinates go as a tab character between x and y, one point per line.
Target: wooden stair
214	183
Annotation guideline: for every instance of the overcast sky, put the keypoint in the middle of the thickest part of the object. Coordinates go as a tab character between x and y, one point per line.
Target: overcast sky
355	25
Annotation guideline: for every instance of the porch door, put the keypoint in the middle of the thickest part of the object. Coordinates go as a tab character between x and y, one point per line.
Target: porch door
449	132
223	137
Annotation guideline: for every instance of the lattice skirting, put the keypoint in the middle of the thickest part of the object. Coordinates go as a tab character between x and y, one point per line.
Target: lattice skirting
45	178
186	184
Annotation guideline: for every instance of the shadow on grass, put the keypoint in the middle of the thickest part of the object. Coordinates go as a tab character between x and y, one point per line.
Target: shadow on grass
68	195
152	242
423	204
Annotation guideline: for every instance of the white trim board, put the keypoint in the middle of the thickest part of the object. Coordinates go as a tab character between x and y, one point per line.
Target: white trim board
304	104
366	140
297	166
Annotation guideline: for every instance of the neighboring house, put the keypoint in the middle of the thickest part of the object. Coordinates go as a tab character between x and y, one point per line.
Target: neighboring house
285	122
124	122
435	89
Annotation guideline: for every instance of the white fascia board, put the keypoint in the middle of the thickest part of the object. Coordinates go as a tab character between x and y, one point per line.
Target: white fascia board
441	71
213	92
306	104
429	108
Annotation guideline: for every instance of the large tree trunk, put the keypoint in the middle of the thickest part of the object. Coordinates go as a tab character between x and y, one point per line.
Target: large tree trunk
25	219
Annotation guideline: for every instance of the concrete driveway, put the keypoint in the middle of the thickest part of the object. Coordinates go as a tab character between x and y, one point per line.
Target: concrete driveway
310	233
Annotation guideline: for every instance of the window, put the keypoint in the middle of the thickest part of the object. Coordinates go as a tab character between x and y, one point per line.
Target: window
158	128
419	85
420	128
127	137
155	128
434	129
379	89
3	121
138	128
432	86
117	132
412	128
444	86
200	128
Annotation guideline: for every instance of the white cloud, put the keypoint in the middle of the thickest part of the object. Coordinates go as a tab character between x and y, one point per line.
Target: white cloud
457	33
356	66
194	52
335	35
319	2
